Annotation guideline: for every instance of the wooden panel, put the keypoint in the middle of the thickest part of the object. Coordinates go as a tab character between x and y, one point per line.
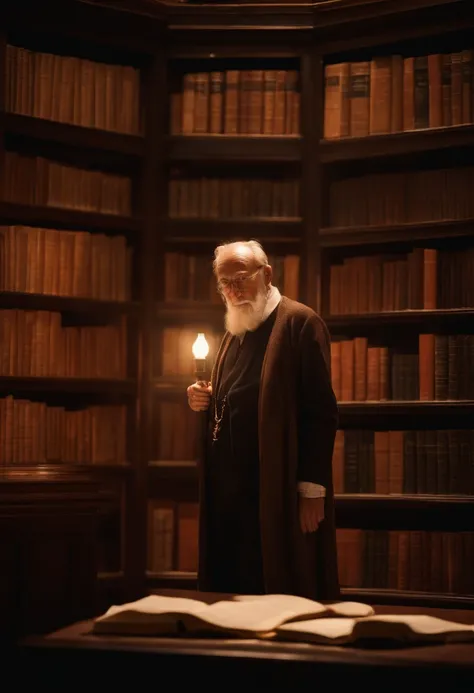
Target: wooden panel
48	564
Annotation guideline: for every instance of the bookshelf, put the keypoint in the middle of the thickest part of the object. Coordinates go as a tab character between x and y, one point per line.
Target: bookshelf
148	535
76	228
389	522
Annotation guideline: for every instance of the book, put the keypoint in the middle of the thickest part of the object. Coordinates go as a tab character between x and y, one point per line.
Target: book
409	628
250	616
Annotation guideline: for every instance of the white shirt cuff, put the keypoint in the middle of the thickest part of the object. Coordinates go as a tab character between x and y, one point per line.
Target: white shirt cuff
310	490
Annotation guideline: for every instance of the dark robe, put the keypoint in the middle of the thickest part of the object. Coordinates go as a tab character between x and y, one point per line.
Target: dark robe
232	471
278	428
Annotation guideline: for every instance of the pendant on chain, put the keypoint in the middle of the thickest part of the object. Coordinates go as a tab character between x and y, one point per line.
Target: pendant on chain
217	420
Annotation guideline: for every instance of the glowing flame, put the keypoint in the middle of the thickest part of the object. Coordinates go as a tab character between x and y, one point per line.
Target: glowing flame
200	347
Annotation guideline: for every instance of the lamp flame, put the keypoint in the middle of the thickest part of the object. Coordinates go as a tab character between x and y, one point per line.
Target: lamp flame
200	347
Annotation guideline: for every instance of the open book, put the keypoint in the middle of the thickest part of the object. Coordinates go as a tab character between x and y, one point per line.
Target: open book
252	616
397	627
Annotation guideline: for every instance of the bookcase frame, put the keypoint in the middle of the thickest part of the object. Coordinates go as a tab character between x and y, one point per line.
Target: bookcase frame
160	33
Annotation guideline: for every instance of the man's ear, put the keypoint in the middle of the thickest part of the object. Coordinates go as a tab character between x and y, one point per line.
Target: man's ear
267	273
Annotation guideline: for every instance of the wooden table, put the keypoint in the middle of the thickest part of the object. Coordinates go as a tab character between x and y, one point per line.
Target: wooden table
74	654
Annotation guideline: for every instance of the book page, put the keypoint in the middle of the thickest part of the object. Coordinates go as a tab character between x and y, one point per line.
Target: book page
350	609
417	625
397	627
252	616
303	606
151	609
321	630
263	614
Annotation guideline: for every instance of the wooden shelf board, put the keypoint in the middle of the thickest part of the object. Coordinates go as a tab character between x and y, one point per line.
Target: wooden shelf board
172	578
56	217
15	384
191	312
333	237
65	304
174	386
234	148
179	471
402	501
411	318
173	464
395	144
74	135
413	407
209	231
115	576
71	467
402	597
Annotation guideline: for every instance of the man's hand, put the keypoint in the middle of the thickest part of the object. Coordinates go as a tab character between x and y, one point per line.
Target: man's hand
199	396
311	513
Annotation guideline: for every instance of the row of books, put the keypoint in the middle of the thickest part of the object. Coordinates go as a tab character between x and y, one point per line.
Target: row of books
385	94
233	198
172	536
399	281
434	367
400	462
35	432
422	279
36	343
190	276
399	198
65	263
73	90
236	102
419	561
395	93
35	180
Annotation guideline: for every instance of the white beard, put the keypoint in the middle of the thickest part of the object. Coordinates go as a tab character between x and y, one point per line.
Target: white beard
247	315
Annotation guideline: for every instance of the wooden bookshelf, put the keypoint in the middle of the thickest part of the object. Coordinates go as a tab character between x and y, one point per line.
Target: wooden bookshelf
348	32
77	404
157	39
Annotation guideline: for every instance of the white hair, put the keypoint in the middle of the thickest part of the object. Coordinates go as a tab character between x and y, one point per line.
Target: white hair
227	248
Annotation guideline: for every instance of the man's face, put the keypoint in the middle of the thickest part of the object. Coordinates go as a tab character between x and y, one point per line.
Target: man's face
243	285
240	278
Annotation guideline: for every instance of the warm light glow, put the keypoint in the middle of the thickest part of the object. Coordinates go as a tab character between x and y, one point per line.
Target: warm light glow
200	347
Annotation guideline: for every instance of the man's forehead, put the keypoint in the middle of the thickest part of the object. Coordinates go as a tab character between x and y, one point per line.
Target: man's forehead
233	265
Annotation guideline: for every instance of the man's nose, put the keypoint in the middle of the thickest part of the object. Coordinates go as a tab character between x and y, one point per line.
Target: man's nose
235	291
